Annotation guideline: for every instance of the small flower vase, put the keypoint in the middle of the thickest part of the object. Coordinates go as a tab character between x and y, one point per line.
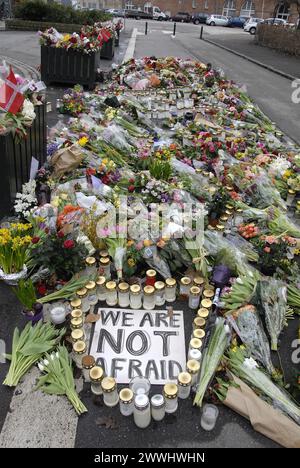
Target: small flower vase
12	279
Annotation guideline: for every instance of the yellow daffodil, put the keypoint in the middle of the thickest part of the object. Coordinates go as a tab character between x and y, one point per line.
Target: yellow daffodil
83	141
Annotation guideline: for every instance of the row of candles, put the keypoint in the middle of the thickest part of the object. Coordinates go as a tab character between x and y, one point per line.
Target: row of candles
153	293
135	399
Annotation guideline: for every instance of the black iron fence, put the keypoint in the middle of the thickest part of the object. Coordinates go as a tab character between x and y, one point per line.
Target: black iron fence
16	159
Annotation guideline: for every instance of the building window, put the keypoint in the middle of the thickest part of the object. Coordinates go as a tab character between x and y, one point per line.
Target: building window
248	9
194	4
206	5
129	5
229	8
148	7
282	12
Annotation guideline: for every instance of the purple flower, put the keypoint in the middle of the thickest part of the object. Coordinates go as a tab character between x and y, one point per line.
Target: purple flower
51	148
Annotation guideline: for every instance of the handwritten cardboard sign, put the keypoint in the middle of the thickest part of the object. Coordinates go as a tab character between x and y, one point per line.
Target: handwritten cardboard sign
127	343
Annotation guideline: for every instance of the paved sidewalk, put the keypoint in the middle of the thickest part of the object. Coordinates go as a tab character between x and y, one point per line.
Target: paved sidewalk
245	44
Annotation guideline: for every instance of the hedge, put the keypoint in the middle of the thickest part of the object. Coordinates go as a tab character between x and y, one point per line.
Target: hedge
279	38
22	25
38	10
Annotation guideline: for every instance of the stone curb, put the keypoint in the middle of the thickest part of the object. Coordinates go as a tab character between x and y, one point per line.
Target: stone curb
131	46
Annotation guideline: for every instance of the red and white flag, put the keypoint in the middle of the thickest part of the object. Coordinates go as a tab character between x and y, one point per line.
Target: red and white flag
11	99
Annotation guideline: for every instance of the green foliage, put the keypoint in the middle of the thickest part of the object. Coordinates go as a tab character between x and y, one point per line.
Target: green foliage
25	292
38	10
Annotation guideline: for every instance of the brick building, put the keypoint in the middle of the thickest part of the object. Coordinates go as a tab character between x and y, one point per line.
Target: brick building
258	8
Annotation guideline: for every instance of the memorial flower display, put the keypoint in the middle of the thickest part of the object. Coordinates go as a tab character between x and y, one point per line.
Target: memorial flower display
169	183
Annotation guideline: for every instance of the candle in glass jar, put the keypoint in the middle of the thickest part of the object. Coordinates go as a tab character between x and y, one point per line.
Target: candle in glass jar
159	293
206	303
194	297
208	293
158	407
111	293
198	322
198	281
76	313
96	375
185	284
92	293
142	411
139	385
76	303
170	393
104	267
203	313
58	315
135	296
170	293
195	343
88	362
90	266
110	392
101	290
77	335
193	367
82	295
76	323
79	349
126	399
149	298
150	277
184	381
194	354
123	294
198	333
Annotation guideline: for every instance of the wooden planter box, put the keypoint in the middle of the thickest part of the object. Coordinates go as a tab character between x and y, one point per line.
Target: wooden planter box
108	49
16	159
70	67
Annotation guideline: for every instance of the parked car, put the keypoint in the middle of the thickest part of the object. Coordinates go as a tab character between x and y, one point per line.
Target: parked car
251	25
277	21
236	22
217	20
181	17
118	13
138	14
199	18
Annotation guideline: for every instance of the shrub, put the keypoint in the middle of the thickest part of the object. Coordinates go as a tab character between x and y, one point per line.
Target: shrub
38	10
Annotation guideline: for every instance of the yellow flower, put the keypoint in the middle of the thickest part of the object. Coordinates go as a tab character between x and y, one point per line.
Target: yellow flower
297	252
147	243
130	243
64	196
83	141
287	174
131	262
55	202
105	161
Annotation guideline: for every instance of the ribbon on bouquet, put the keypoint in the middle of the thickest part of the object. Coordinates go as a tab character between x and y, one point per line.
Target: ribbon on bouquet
11	99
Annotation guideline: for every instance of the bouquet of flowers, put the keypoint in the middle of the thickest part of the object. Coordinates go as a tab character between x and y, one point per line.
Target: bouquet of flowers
212	355
247	369
14	242
57	377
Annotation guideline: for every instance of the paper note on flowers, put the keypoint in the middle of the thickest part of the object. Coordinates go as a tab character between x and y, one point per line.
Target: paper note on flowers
127	343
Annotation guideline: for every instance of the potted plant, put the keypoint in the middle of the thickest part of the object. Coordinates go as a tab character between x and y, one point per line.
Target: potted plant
25	292
14	244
